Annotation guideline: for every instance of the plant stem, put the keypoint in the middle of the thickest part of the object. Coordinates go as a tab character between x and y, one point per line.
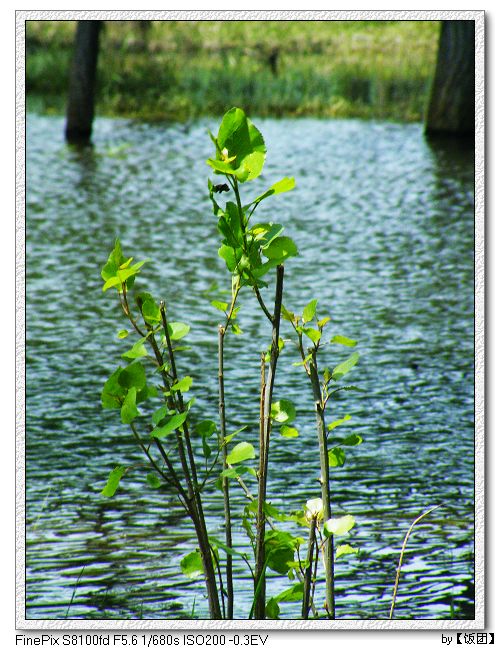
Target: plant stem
225	481
306	600
403	548
260	560
325	481
197	514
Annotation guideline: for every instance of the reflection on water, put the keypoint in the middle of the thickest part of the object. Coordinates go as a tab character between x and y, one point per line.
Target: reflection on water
384	224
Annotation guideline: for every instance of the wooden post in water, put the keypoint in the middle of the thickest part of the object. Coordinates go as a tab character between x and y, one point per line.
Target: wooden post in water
80	108
451	108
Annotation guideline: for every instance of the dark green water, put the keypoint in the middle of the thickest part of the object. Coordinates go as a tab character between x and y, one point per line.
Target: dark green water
385	227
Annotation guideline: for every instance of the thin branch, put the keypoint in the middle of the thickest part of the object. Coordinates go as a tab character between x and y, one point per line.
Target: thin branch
403	548
262	304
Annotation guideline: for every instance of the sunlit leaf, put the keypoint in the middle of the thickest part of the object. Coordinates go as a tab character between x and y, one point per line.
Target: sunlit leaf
183	385
344	367
137	351
337	423
343	340
313	334
192	565
309	311
284	185
113	481
283	411
314	508
336	457
221	306
177	331
281	249
173	423
339	526
241	452
287	315
288	432
345	549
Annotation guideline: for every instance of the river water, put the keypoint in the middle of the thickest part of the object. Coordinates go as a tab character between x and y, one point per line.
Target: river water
384	223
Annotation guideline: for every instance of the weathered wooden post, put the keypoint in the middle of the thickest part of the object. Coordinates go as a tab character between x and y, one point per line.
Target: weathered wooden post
80	108
451	108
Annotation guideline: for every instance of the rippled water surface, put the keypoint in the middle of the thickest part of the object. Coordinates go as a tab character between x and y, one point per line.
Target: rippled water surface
385	227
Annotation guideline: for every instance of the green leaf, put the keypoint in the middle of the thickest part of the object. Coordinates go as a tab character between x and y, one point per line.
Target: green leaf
174	423
122	334
284	185
183	385
337	423
245	146
192	565
230	256
323	322
113	393
287	315
288	432
113	481
344	367
229	437
112	282
313	334
280	550
149	309
283	411
309	311
340	526
352	441
133	375
241	452
206	428
291	595
272	609
343	340
129	409
336	457
153	480
115	260
236	329
239	470
280	249
221	306
137	351
177	331
265	233
159	415
351	387
345	549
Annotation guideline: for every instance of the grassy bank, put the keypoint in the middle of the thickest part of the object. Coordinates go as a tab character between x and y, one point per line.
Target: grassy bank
183	69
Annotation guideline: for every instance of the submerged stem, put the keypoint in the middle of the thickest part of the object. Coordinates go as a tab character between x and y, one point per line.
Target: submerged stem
260	562
325	482
403	548
225	481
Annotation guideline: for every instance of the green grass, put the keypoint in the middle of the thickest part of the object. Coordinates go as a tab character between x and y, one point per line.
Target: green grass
178	70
